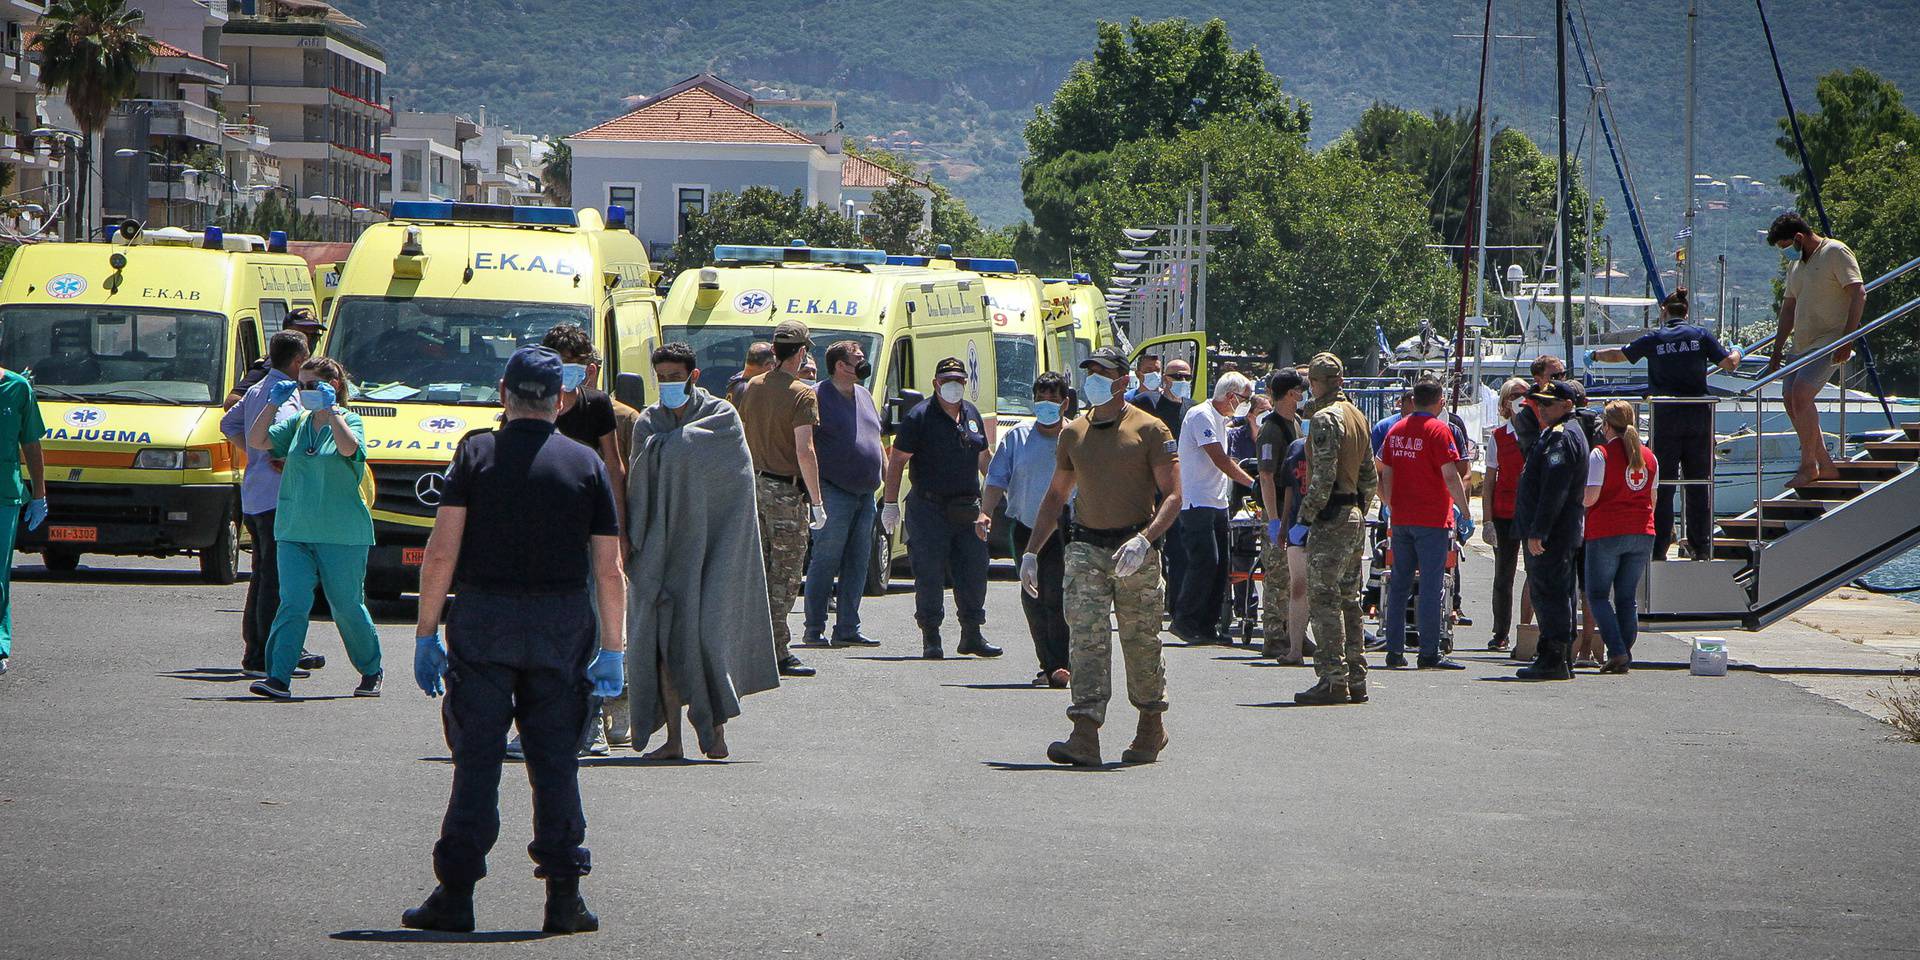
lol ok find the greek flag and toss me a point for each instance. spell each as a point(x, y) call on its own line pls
point(1380, 339)
point(1685, 232)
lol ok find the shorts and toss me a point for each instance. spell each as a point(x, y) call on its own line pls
point(1812, 376)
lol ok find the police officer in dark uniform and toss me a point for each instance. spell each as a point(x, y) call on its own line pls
point(521, 507)
point(942, 445)
point(1548, 516)
point(1679, 355)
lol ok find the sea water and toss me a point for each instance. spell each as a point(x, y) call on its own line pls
point(1903, 570)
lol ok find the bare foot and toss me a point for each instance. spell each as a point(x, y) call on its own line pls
point(670, 750)
point(717, 750)
point(1829, 472)
point(1804, 477)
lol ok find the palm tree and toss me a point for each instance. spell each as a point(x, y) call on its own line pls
point(556, 172)
point(90, 50)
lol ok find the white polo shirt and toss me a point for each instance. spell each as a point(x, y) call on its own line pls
point(1201, 483)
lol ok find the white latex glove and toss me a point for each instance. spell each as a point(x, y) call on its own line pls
point(1131, 554)
point(890, 518)
point(816, 517)
point(1030, 574)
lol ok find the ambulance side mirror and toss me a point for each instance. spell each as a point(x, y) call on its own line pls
point(631, 390)
point(897, 408)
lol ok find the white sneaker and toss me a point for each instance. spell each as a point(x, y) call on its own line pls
point(514, 750)
point(3, 664)
point(598, 746)
point(619, 724)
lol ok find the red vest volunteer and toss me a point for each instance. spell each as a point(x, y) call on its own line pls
point(1626, 495)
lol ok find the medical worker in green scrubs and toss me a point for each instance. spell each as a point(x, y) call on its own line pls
point(19, 419)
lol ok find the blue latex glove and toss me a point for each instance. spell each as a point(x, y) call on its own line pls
point(282, 391)
point(430, 664)
point(608, 671)
point(1273, 531)
point(1297, 536)
point(36, 513)
point(1588, 357)
point(1462, 524)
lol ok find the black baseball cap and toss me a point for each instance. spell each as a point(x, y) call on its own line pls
point(533, 373)
point(950, 367)
point(303, 320)
point(1569, 390)
point(1108, 357)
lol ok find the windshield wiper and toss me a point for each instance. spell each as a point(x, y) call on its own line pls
point(67, 394)
point(137, 391)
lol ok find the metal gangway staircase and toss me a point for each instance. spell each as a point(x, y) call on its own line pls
point(1799, 545)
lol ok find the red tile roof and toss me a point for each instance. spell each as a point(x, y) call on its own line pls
point(858, 171)
point(161, 48)
point(693, 115)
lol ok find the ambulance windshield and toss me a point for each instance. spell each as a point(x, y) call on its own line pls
point(1017, 360)
point(116, 354)
point(722, 351)
point(424, 350)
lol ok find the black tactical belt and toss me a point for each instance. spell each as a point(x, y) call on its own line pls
point(1110, 539)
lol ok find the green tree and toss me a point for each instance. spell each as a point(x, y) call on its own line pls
point(91, 51)
point(1857, 110)
point(1874, 200)
point(893, 221)
point(1145, 80)
point(952, 223)
point(760, 215)
point(271, 214)
point(556, 173)
point(1324, 245)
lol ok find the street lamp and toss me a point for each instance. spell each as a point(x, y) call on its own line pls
point(166, 161)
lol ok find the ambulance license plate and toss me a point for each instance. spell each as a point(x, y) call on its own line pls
point(59, 534)
point(413, 556)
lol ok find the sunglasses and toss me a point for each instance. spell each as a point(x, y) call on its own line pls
point(1182, 377)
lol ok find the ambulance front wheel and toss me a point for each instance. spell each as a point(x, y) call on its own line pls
point(61, 561)
point(880, 563)
point(220, 561)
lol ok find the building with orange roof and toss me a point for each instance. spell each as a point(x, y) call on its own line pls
point(861, 178)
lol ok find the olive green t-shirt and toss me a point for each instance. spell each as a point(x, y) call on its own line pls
point(773, 405)
point(1113, 466)
point(1818, 288)
point(19, 424)
point(320, 489)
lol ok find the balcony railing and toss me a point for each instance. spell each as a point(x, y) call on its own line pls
point(252, 134)
point(178, 118)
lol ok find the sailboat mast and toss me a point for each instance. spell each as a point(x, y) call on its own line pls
point(1565, 187)
point(1686, 244)
point(1486, 201)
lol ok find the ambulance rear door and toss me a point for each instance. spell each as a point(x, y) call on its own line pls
point(950, 318)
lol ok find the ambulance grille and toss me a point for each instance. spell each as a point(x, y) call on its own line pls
point(375, 411)
point(396, 488)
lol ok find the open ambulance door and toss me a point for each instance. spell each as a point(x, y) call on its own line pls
point(632, 334)
point(1191, 347)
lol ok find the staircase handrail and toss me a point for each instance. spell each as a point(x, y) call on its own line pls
point(1871, 285)
point(1809, 358)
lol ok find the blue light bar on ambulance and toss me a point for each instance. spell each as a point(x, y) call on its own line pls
point(904, 260)
point(484, 213)
point(988, 264)
point(741, 253)
point(277, 241)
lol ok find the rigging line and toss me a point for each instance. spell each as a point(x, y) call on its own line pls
point(1617, 151)
point(1813, 189)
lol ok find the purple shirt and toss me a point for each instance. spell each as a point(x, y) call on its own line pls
point(847, 440)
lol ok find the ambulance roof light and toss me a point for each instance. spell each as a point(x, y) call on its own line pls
point(616, 217)
point(1083, 278)
point(454, 211)
point(905, 260)
point(277, 241)
point(944, 251)
point(410, 245)
point(797, 242)
point(988, 264)
point(215, 239)
point(745, 253)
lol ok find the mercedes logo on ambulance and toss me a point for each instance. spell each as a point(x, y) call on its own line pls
point(428, 488)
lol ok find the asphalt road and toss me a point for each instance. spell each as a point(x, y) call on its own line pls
point(896, 808)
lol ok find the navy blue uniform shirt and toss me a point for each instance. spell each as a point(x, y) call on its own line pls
point(1548, 506)
point(1678, 356)
point(533, 499)
point(946, 452)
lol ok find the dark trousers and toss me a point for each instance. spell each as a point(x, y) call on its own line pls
point(1554, 587)
point(1173, 568)
point(521, 660)
point(942, 549)
point(1203, 581)
point(1506, 558)
point(1046, 615)
point(263, 592)
point(1683, 443)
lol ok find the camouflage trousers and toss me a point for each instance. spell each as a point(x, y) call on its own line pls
point(783, 544)
point(1274, 594)
point(1092, 592)
point(1333, 594)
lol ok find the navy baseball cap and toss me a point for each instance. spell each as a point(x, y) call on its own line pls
point(533, 373)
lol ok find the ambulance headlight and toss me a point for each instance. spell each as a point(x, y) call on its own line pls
point(158, 459)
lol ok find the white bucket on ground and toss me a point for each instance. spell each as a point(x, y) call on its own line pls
point(1709, 657)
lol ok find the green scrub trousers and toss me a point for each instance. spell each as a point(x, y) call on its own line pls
point(340, 569)
point(9, 526)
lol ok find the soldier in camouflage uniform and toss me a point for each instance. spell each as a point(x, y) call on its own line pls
point(1340, 485)
point(1114, 461)
point(778, 411)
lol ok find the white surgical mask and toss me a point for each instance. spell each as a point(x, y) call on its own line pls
point(952, 390)
point(1243, 409)
point(1098, 389)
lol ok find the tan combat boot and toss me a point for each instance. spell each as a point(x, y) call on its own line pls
point(1148, 740)
point(1081, 748)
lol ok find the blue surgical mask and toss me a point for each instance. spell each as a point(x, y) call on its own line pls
point(1181, 389)
point(572, 375)
point(1046, 412)
point(1150, 381)
point(673, 393)
point(312, 399)
point(1098, 389)
point(1793, 252)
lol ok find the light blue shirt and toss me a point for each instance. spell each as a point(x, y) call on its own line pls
point(260, 486)
point(1023, 467)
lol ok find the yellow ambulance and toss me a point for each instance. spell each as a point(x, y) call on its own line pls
point(430, 305)
point(132, 345)
point(906, 318)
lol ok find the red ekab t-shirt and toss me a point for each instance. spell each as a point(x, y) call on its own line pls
point(1416, 449)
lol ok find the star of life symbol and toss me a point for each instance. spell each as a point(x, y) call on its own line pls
point(752, 301)
point(66, 286)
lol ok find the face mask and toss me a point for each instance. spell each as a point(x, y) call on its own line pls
point(1181, 389)
point(862, 370)
point(1046, 412)
point(1243, 409)
point(952, 391)
point(1793, 252)
point(1150, 382)
point(673, 393)
point(312, 399)
point(572, 375)
point(1098, 389)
